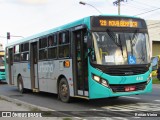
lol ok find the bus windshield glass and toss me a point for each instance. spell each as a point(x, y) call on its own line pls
point(120, 48)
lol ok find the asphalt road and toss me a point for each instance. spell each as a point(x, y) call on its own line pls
point(147, 102)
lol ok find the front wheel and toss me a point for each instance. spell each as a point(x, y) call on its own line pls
point(63, 90)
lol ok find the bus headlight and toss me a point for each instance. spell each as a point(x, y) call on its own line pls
point(100, 80)
point(96, 78)
point(149, 78)
point(104, 82)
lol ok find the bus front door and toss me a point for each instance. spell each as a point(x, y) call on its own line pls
point(80, 64)
point(34, 67)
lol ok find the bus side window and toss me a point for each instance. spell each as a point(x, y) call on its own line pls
point(64, 38)
point(52, 52)
point(52, 46)
point(24, 51)
point(17, 55)
point(64, 44)
point(66, 51)
point(43, 48)
point(50, 41)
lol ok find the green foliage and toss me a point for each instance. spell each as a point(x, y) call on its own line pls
point(156, 81)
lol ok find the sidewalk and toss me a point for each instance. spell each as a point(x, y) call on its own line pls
point(6, 105)
point(12, 105)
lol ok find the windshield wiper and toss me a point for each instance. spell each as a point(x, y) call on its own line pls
point(133, 40)
point(111, 35)
point(136, 31)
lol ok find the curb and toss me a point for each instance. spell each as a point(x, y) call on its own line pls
point(156, 85)
point(25, 104)
point(38, 108)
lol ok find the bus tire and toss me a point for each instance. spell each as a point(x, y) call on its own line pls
point(20, 84)
point(63, 91)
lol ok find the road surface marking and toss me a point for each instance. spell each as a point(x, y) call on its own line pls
point(157, 100)
point(134, 107)
point(120, 118)
point(131, 97)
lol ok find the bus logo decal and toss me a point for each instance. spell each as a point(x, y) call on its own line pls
point(123, 80)
point(46, 67)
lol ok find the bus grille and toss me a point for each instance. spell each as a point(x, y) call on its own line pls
point(123, 70)
point(121, 88)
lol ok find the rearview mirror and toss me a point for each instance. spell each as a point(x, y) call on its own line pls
point(154, 63)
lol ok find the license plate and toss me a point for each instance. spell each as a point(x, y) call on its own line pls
point(130, 88)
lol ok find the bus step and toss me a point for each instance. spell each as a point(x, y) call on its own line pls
point(83, 97)
point(35, 90)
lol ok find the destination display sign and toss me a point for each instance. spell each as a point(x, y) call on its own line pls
point(118, 23)
point(103, 21)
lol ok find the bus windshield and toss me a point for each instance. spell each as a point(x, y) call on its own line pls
point(120, 48)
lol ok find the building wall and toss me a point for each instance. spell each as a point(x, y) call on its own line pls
point(155, 48)
point(154, 35)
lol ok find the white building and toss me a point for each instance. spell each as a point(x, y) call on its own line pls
point(154, 34)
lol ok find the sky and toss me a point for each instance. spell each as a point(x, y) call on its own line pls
point(28, 17)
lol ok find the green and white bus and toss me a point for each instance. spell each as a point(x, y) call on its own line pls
point(93, 57)
point(2, 66)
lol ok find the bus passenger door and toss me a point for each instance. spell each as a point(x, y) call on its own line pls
point(34, 66)
point(10, 66)
point(80, 63)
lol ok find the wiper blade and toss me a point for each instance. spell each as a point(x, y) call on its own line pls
point(133, 40)
point(136, 31)
point(113, 39)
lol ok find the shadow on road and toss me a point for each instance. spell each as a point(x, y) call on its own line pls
point(50, 100)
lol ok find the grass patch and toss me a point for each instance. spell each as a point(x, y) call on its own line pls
point(1, 98)
point(35, 109)
point(18, 104)
point(67, 119)
point(4, 99)
point(156, 81)
point(46, 113)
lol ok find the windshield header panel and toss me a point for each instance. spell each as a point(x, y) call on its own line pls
point(104, 22)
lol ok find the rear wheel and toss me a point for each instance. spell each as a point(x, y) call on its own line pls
point(63, 90)
point(20, 84)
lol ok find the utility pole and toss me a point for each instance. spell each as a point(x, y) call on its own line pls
point(118, 3)
point(119, 6)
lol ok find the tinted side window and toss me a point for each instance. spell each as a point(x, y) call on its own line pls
point(24, 51)
point(52, 46)
point(43, 48)
point(52, 40)
point(64, 38)
point(64, 44)
point(17, 57)
point(43, 42)
point(52, 52)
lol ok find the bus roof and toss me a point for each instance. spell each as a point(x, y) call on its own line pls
point(66, 26)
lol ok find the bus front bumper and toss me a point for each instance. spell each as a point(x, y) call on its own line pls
point(105, 92)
